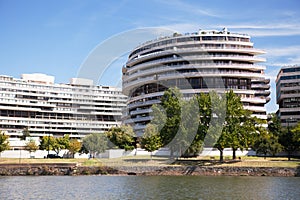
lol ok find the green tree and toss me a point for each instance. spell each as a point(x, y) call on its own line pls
point(171, 102)
point(47, 143)
point(4, 144)
point(26, 133)
point(239, 126)
point(215, 136)
point(60, 143)
point(289, 139)
point(151, 140)
point(31, 146)
point(56, 144)
point(190, 139)
point(95, 143)
point(74, 147)
point(221, 143)
point(123, 137)
point(266, 143)
point(274, 125)
point(296, 132)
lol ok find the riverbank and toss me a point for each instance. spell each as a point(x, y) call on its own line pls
point(72, 169)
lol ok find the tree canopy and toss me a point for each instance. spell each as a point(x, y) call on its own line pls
point(95, 143)
point(4, 144)
point(151, 139)
point(31, 146)
point(56, 144)
point(122, 137)
point(74, 146)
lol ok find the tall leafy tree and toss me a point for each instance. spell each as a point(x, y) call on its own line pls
point(289, 139)
point(95, 143)
point(192, 138)
point(274, 125)
point(123, 137)
point(296, 131)
point(215, 136)
point(239, 127)
point(171, 102)
point(4, 144)
point(151, 140)
point(205, 113)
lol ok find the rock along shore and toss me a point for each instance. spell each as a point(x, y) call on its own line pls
point(72, 169)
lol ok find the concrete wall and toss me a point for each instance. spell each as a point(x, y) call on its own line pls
point(37, 154)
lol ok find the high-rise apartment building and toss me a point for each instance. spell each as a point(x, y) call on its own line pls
point(46, 108)
point(288, 95)
point(195, 62)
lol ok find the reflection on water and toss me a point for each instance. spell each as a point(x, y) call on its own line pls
point(149, 187)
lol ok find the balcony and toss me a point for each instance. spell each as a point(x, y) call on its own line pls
point(260, 86)
point(146, 103)
point(141, 111)
point(199, 66)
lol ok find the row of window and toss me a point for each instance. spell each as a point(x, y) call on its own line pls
point(42, 87)
point(295, 69)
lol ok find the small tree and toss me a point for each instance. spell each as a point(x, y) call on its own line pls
point(56, 144)
point(74, 147)
point(26, 133)
point(95, 143)
point(4, 144)
point(60, 143)
point(151, 140)
point(31, 146)
point(47, 143)
point(122, 137)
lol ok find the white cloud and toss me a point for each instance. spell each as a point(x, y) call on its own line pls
point(256, 30)
point(282, 56)
point(283, 51)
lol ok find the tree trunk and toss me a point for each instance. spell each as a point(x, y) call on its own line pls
point(171, 152)
point(289, 156)
point(233, 153)
point(221, 155)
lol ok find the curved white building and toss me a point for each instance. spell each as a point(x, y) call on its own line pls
point(46, 108)
point(195, 62)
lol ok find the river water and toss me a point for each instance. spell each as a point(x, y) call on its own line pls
point(148, 187)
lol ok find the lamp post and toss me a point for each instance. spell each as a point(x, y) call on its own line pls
point(290, 138)
point(48, 141)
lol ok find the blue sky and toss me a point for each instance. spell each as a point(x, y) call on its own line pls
point(57, 37)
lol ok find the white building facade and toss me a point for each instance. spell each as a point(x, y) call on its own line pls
point(45, 108)
point(195, 62)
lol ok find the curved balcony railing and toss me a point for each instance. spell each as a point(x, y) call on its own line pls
point(141, 111)
point(198, 57)
point(193, 74)
point(138, 72)
point(243, 46)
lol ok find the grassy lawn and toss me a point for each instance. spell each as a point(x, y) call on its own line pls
point(161, 161)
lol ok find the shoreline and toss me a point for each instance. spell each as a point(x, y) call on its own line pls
point(72, 169)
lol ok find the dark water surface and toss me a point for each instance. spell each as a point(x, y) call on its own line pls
point(148, 187)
